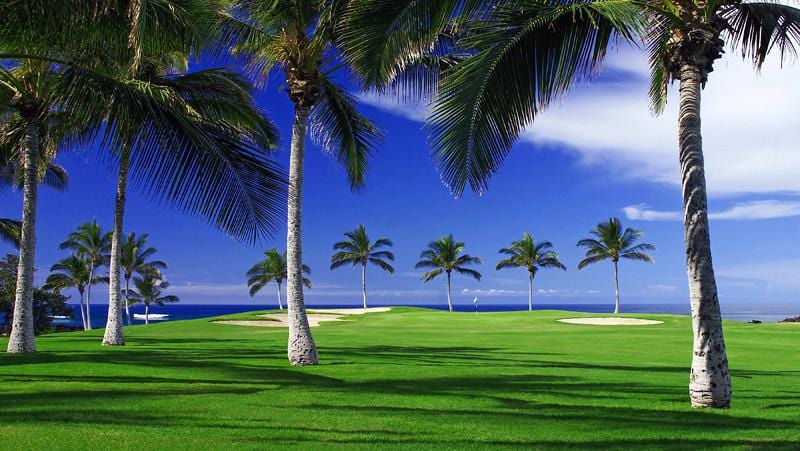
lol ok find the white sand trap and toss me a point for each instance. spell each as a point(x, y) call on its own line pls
point(282, 319)
point(611, 321)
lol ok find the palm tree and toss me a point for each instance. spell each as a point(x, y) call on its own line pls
point(506, 63)
point(611, 242)
point(149, 290)
point(71, 272)
point(273, 267)
point(90, 242)
point(445, 256)
point(135, 259)
point(300, 38)
point(359, 250)
point(68, 64)
point(528, 254)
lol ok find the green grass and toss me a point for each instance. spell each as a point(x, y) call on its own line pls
point(410, 378)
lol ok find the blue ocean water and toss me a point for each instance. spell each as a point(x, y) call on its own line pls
point(737, 312)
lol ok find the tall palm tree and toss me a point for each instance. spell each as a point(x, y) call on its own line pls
point(528, 254)
point(89, 241)
point(149, 291)
point(272, 268)
point(358, 250)
point(613, 243)
point(511, 60)
point(68, 64)
point(134, 258)
point(300, 39)
point(71, 272)
point(445, 255)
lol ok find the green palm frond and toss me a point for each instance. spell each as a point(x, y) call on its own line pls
point(613, 242)
point(524, 57)
point(344, 133)
point(759, 27)
point(358, 249)
point(271, 268)
point(10, 231)
point(446, 255)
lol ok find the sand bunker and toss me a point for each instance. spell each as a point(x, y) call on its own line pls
point(319, 315)
point(611, 321)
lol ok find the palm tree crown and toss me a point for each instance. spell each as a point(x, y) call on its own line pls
point(527, 253)
point(89, 241)
point(358, 250)
point(272, 269)
point(445, 255)
point(611, 242)
point(135, 256)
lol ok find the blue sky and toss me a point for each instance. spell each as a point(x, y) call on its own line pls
point(597, 154)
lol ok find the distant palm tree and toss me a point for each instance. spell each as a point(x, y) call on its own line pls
point(149, 290)
point(444, 256)
point(613, 243)
point(134, 259)
point(273, 267)
point(528, 254)
point(358, 250)
point(89, 241)
point(71, 272)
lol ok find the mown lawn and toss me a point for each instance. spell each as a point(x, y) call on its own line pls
point(411, 378)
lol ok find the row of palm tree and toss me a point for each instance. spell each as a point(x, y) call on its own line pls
point(80, 72)
point(91, 250)
point(446, 255)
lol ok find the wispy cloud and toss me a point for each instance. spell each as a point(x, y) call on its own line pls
point(774, 276)
point(742, 211)
point(492, 292)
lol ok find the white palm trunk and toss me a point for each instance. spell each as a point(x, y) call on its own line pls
point(280, 304)
point(301, 347)
point(449, 301)
point(22, 331)
point(83, 314)
point(88, 297)
point(146, 314)
point(114, 334)
point(710, 383)
point(616, 288)
point(530, 292)
point(127, 302)
point(364, 284)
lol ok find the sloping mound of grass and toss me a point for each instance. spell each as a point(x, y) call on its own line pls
point(409, 378)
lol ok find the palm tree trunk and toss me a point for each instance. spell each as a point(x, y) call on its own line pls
point(127, 303)
point(616, 288)
point(280, 304)
point(449, 302)
point(88, 297)
point(146, 314)
point(114, 335)
point(364, 284)
point(302, 350)
point(710, 383)
point(21, 338)
point(83, 315)
point(530, 292)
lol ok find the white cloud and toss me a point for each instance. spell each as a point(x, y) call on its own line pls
point(753, 210)
point(751, 132)
point(493, 292)
point(775, 276)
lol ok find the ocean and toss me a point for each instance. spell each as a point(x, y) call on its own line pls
point(737, 312)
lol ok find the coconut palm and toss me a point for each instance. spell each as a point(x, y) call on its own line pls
point(613, 243)
point(445, 255)
point(149, 291)
point(511, 60)
point(185, 154)
point(71, 272)
point(89, 241)
point(299, 38)
point(134, 258)
point(272, 268)
point(527, 253)
point(358, 250)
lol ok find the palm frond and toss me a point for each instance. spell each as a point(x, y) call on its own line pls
point(430, 275)
point(759, 27)
point(468, 272)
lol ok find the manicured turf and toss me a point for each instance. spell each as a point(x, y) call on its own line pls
point(412, 378)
